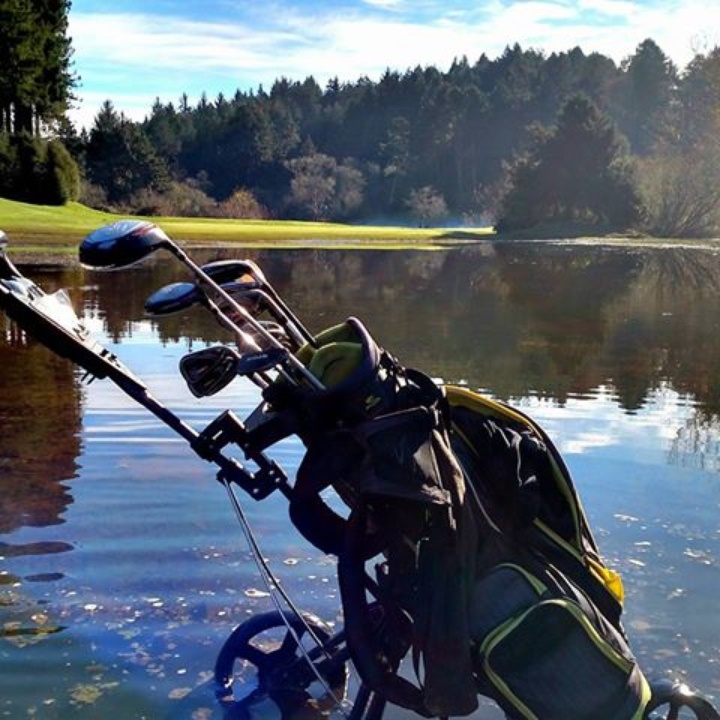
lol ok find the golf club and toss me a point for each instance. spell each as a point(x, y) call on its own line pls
point(211, 369)
point(173, 298)
point(177, 297)
point(240, 269)
point(127, 242)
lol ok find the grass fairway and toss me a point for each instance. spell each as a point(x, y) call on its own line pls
point(53, 230)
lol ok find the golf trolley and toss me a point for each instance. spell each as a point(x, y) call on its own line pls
point(311, 662)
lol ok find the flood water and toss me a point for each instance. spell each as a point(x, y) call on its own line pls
point(123, 568)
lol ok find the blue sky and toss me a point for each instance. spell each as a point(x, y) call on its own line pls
point(135, 51)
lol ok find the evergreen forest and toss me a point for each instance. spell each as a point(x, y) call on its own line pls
point(522, 141)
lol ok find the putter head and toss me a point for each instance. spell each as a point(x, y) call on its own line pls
point(173, 298)
point(121, 244)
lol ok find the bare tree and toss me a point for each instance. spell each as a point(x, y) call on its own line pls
point(313, 184)
point(324, 188)
point(681, 192)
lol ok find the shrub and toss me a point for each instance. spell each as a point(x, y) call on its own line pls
point(27, 176)
point(33, 170)
point(242, 204)
point(7, 165)
point(681, 193)
point(93, 196)
point(181, 199)
point(62, 176)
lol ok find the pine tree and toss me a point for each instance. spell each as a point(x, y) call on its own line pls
point(36, 78)
point(648, 84)
point(577, 172)
point(120, 158)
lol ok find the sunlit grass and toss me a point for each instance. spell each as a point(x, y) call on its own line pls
point(37, 228)
point(25, 223)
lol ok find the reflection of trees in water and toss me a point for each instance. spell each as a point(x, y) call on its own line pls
point(40, 416)
point(697, 443)
point(513, 318)
point(663, 328)
point(519, 318)
point(581, 317)
point(555, 295)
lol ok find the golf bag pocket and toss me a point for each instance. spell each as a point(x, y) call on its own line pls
point(407, 457)
point(543, 655)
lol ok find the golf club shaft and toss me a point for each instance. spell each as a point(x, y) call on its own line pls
point(305, 334)
point(260, 379)
point(243, 313)
point(293, 330)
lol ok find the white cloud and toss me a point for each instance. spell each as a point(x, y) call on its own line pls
point(384, 4)
point(135, 106)
point(616, 8)
point(130, 57)
point(154, 42)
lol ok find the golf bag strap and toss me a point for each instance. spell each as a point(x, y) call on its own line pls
point(325, 463)
point(376, 669)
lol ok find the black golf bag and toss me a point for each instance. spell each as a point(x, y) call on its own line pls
point(487, 576)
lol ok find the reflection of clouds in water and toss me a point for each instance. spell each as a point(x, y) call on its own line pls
point(586, 441)
point(595, 423)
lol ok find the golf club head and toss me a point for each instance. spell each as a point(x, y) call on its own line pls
point(3, 241)
point(223, 271)
point(242, 276)
point(244, 294)
point(256, 302)
point(121, 244)
point(173, 298)
point(261, 361)
point(180, 296)
point(260, 338)
point(209, 370)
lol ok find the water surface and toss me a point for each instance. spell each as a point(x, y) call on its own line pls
point(123, 568)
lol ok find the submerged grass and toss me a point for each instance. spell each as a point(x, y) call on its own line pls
point(41, 228)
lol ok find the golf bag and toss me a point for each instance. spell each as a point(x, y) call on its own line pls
point(488, 573)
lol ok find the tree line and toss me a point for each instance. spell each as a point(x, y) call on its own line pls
point(36, 84)
point(519, 141)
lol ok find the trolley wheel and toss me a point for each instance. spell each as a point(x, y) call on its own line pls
point(283, 672)
point(677, 696)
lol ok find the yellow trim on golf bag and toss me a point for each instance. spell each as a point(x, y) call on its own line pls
point(549, 653)
point(459, 397)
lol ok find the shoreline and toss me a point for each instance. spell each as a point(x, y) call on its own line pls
point(66, 257)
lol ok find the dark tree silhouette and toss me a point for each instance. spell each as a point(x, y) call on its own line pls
point(575, 172)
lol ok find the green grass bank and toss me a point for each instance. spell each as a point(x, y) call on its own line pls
point(56, 231)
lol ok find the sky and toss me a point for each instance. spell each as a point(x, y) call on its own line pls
point(136, 51)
